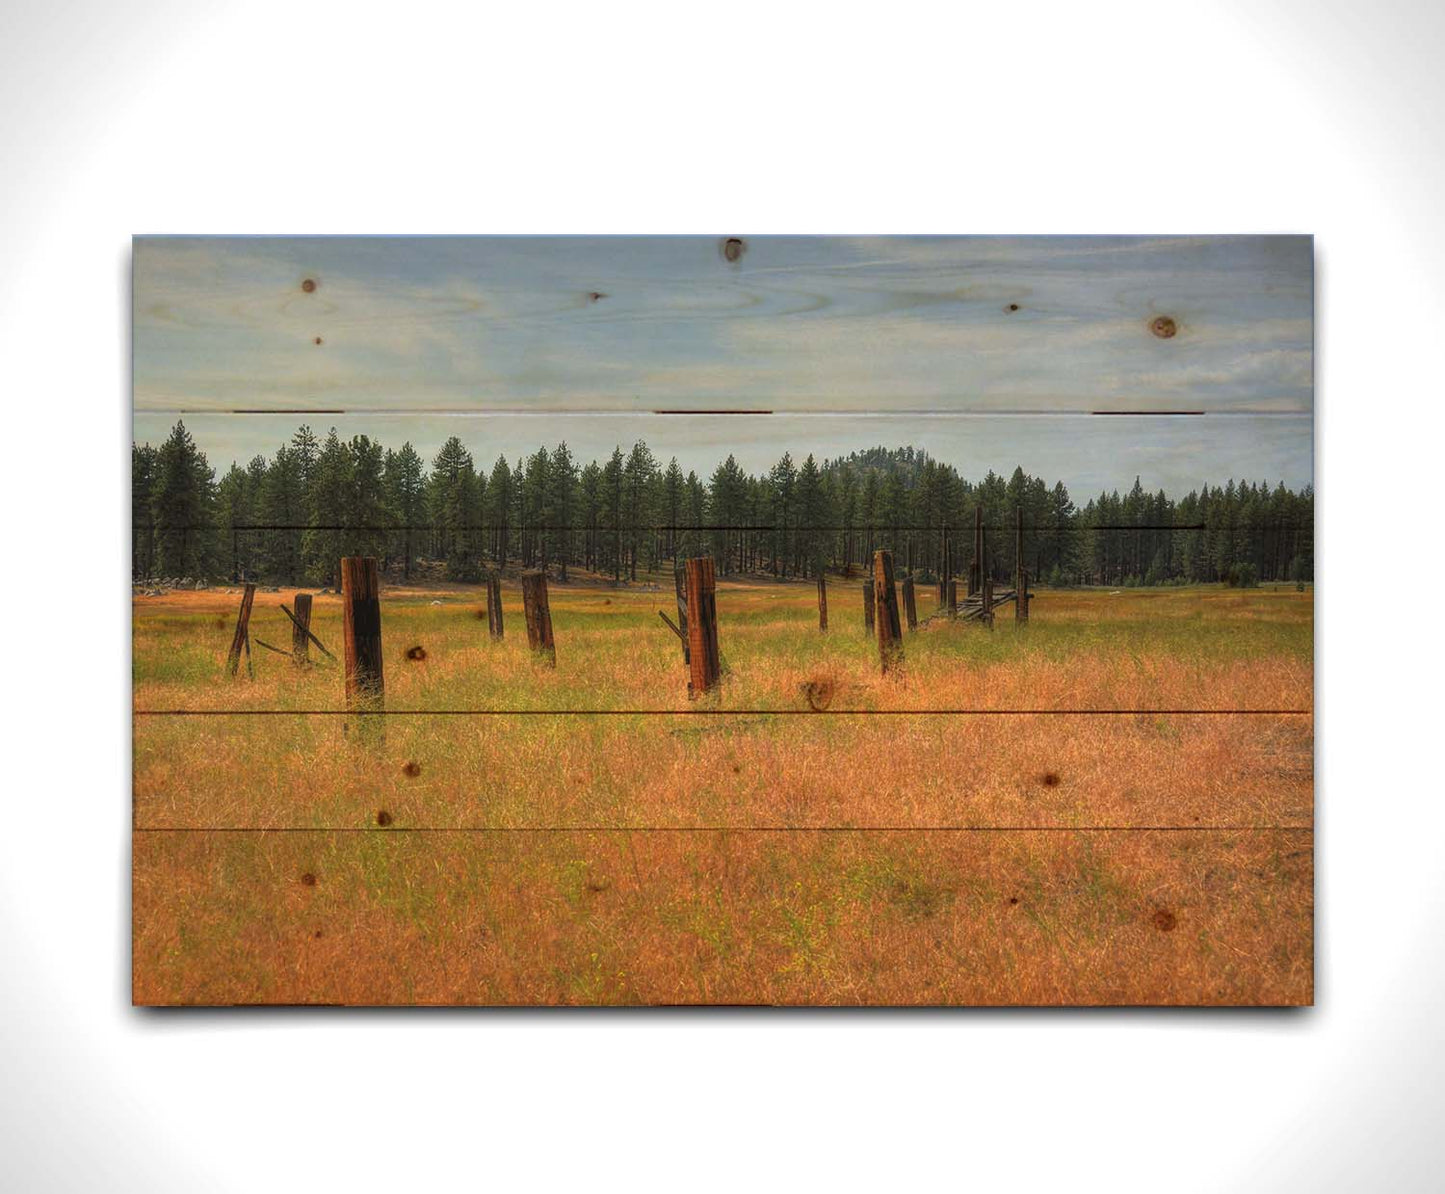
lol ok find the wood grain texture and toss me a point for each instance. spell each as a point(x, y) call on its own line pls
point(546, 324)
point(363, 652)
point(703, 651)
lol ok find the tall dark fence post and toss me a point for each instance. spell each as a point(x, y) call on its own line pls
point(868, 604)
point(494, 606)
point(822, 602)
point(538, 614)
point(890, 635)
point(361, 637)
point(703, 665)
point(300, 640)
point(910, 605)
point(242, 636)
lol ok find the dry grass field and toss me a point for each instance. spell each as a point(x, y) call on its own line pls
point(814, 833)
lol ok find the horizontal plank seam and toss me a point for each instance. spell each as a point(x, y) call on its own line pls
point(725, 713)
point(760, 528)
point(641, 412)
point(393, 829)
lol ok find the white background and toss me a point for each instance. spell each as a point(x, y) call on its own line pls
point(261, 117)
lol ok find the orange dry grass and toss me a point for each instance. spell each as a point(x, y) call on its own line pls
point(684, 913)
point(1031, 918)
point(745, 770)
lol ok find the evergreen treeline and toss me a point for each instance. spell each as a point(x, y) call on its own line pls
point(317, 500)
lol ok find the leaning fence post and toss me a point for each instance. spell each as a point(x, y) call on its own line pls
point(868, 604)
point(241, 637)
point(822, 602)
point(910, 606)
point(890, 636)
point(361, 636)
point(494, 606)
point(539, 615)
point(300, 641)
point(703, 662)
point(679, 589)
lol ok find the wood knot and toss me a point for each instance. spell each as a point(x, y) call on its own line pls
point(1164, 327)
point(733, 249)
point(308, 285)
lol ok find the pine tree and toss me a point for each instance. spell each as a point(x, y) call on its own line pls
point(143, 465)
point(330, 513)
point(590, 490)
point(673, 491)
point(561, 504)
point(367, 508)
point(499, 510)
point(283, 505)
point(404, 478)
point(233, 511)
point(612, 508)
point(182, 502)
point(453, 499)
point(783, 481)
point(638, 475)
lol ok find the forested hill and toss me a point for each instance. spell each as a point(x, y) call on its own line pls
point(291, 518)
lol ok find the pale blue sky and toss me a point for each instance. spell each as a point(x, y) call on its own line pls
point(842, 328)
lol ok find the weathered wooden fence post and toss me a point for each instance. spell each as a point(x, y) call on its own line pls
point(703, 663)
point(1021, 577)
point(679, 588)
point(539, 615)
point(361, 637)
point(822, 602)
point(494, 606)
point(910, 605)
point(300, 640)
point(890, 635)
point(242, 636)
point(868, 604)
point(951, 604)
